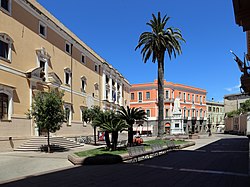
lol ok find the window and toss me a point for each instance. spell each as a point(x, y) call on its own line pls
point(42, 29)
point(68, 47)
point(114, 95)
point(3, 106)
point(200, 99)
point(184, 97)
point(188, 113)
point(84, 83)
point(193, 98)
point(132, 96)
point(200, 112)
point(107, 79)
point(83, 59)
point(5, 46)
point(96, 68)
point(209, 109)
point(6, 5)
point(107, 94)
point(167, 94)
point(148, 113)
point(147, 95)
point(189, 97)
point(67, 76)
point(213, 109)
point(166, 113)
point(140, 97)
point(177, 125)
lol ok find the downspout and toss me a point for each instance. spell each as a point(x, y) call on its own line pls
point(71, 83)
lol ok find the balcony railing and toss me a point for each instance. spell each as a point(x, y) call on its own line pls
point(168, 100)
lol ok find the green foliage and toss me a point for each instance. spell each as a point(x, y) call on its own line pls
point(130, 115)
point(244, 108)
point(110, 122)
point(47, 110)
point(160, 39)
point(89, 114)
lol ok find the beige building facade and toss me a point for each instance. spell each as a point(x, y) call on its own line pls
point(215, 115)
point(38, 53)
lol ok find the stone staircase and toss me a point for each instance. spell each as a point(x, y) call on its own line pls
point(58, 144)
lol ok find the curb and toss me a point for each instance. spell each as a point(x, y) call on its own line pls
point(76, 160)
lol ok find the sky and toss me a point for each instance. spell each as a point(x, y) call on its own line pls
point(112, 29)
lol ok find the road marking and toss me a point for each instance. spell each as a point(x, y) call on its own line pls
point(196, 170)
point(214, 172)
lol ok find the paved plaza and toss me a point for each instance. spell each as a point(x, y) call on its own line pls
point(219, 160)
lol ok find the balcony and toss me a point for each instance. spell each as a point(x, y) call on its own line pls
point(193, 119)
point(168, 100)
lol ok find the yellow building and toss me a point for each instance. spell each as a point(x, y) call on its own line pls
point(37, 52)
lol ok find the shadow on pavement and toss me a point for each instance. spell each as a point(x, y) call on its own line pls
point(222, 163)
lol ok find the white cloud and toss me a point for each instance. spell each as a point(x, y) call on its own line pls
point(234, 88)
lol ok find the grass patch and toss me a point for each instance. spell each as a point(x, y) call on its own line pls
point(102, 150)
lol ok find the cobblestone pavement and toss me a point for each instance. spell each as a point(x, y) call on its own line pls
point(219, 160)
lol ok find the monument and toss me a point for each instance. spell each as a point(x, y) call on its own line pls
point(177, 122)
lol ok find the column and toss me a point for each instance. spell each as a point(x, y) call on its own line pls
point(110, 89)
point(104, 85)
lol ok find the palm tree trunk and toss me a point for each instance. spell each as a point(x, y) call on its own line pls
point(48, 142)
point(114, 140)
point(130, 135)
point(107, 140)
point(160, 60)
point(95, 134)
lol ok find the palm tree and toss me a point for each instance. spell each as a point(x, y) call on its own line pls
point(130, 115)
point(99, 120)
point(109, 122)
point(155, 44)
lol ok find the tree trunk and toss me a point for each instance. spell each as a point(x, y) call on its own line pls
point(114, 140)
point(107, 140)
point(130, 135)
point(48, 142)
point(160, 60)
point(95, 134)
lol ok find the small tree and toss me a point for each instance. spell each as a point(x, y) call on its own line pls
point(94, 112)
point(48, 113)
point(89, 114)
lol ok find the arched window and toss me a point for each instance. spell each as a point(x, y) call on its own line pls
point(4, 99)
